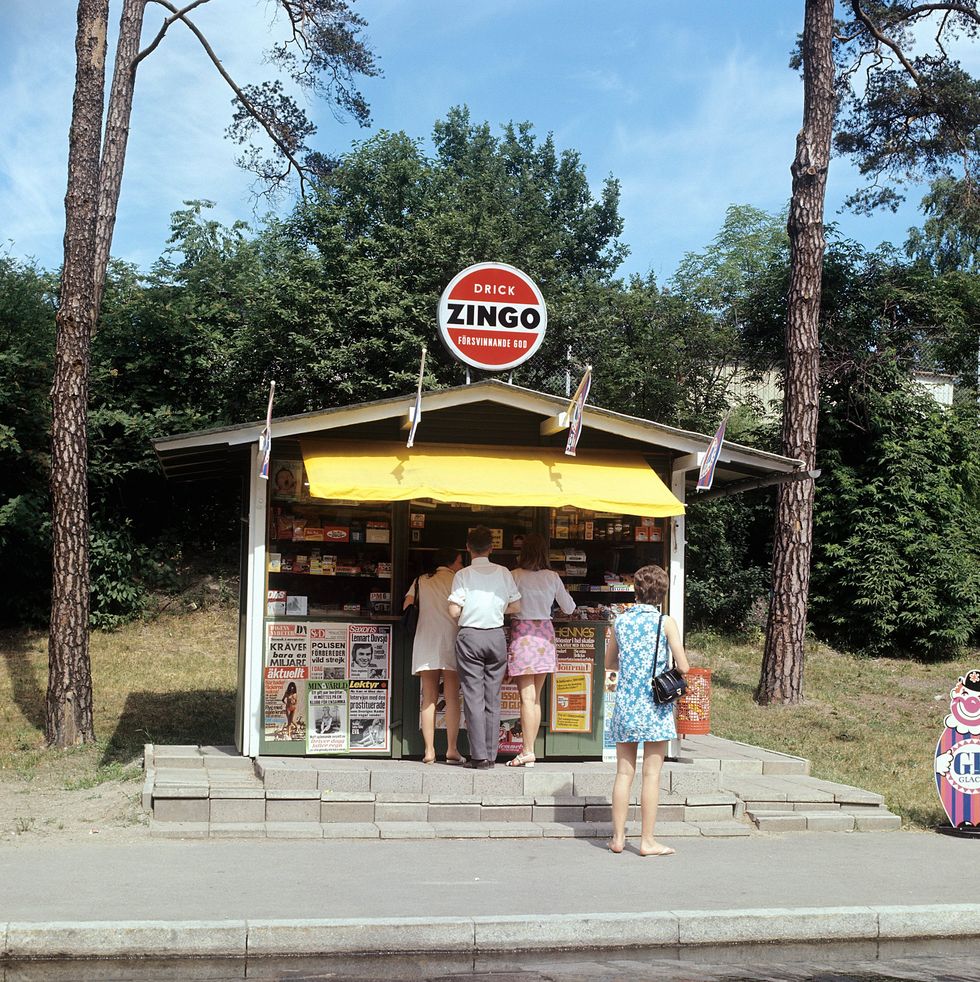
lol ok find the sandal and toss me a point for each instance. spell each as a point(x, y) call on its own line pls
point(524, 759)
point(455, 761)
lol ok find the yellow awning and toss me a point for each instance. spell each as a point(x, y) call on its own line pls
point(524, 476)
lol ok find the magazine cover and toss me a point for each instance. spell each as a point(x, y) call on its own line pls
point(329, 718)
point(369, 647)
point(287, 478)
point(285, 676)
point(369, 710)
point(328, 650)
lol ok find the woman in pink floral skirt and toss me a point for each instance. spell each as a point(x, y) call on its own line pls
point(532, 654)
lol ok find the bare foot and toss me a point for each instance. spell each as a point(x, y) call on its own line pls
point(429, 758)
point(655, 849)
point(616, 845)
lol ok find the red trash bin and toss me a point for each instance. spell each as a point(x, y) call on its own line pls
point(694, 707)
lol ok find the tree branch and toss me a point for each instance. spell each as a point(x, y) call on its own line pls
point(292, 162)
point(154, 44)
point(883, 38)
point(953, 8)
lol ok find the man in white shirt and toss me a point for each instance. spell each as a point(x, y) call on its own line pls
point(482, 593)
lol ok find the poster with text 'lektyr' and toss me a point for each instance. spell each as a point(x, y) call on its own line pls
point(369, 715)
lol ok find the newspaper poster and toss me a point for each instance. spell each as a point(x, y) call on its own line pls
point(285, 678)
point(511, 733)
point(571, 697)
point(328, 651)
point(608, 705)
point(369, 708)
point(369, 651)
point(441, 706)
point(328, 732)
point(576, 642)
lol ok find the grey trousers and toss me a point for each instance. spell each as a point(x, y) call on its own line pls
point(481, 660)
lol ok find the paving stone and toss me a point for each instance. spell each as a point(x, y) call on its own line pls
point(346, 780)
point(781, 823)
point(857, 796)
point(708, 813)
point(730, 828)
point(347, 796)
point(539, 782)
point(557, 813)
point(251, 793)
point(506, 799)
point(590, 785)
point(178, 749)
point(710, 798)
point(505, 813)
point(454, 813)
point(292, 794)
point(560, 799)
point(447, 780)
point(776, 924)
point(388, 780)
point(179, 763)
point(291, 810)
point(237, 810)
point(829, 821)
point(288, 778)
point(346, 812)
point(393, 811)
point(740, 767)
point(406, 830)
point(935, 921)
point(788, 766)
point(675, 829)
point(185, 778)
point(403, 797)
point(350, 830)
point(293, 830)
point(814, 806)
point(513, 830)
point(181, 809)
point(499, 780)
point(234, 764)
point(237, 830)
point(693, 782)
point(568, 830)
point(178, 830)
point(458, 799)
point(460, 830)
point(879, 822)
point(699, 763)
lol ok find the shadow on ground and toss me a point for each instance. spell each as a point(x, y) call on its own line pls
point(26, 686)
point(205, 716)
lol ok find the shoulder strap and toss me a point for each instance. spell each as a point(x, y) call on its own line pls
point(415, 587)
point(656, 648)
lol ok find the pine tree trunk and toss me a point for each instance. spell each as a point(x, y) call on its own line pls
point(68, 717)
point(781, 680)
point(117, 122)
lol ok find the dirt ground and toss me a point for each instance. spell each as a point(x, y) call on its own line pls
point(42, 808)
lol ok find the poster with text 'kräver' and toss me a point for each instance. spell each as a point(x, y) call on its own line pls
point(285, 677)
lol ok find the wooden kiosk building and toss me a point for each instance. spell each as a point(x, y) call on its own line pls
point(349, 517)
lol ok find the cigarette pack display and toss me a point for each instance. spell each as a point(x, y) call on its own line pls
point(417, 521)
point(352, 608)
point(572, 569)
point(296, 606)
point(275, 603)
point(589, 529)
point(336, 533)
point(298, 531)
point(347, 570)
point(301, 564)
point(575, 556)
point(642, 534)
point(312, 534)
point(275, 562)
point(383, 570)
point(656, 534)
point(284, 526)
point(378, 534)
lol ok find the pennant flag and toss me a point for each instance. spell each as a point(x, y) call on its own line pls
point(707, 473)
point(417, 411)
point(265, 438)
point(576, 410)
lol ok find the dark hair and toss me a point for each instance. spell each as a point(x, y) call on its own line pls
point(479, 540)
point(444, 556)
point(291, 688)
point(651, 584)
point(534, 553)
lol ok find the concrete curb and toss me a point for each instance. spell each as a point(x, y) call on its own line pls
point(239, 938)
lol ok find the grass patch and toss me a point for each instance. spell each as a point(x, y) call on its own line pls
point(869, 722)
point(169, 680)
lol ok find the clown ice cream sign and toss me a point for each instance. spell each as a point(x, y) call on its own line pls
point(958, 754)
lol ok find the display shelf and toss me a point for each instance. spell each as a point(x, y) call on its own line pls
point(331, 542)
point(327, 576)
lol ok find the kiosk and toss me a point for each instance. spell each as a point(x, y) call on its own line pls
point(349, 515)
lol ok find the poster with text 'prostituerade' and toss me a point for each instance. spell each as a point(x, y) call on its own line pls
point(328, 731)
point(285, 676)
point(328, 650)
point(369, 707)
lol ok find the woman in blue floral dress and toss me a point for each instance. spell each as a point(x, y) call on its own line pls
point(640, 635)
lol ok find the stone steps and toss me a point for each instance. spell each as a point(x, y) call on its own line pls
point(194, 791)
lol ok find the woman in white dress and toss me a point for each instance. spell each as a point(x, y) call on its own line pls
point(434, 652)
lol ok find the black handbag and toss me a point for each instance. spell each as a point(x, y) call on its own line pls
point(410, 615)
point(669, 685)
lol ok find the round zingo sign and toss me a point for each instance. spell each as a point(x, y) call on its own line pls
point(492, 316)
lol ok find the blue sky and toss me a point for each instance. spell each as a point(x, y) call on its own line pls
point(690, 105)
